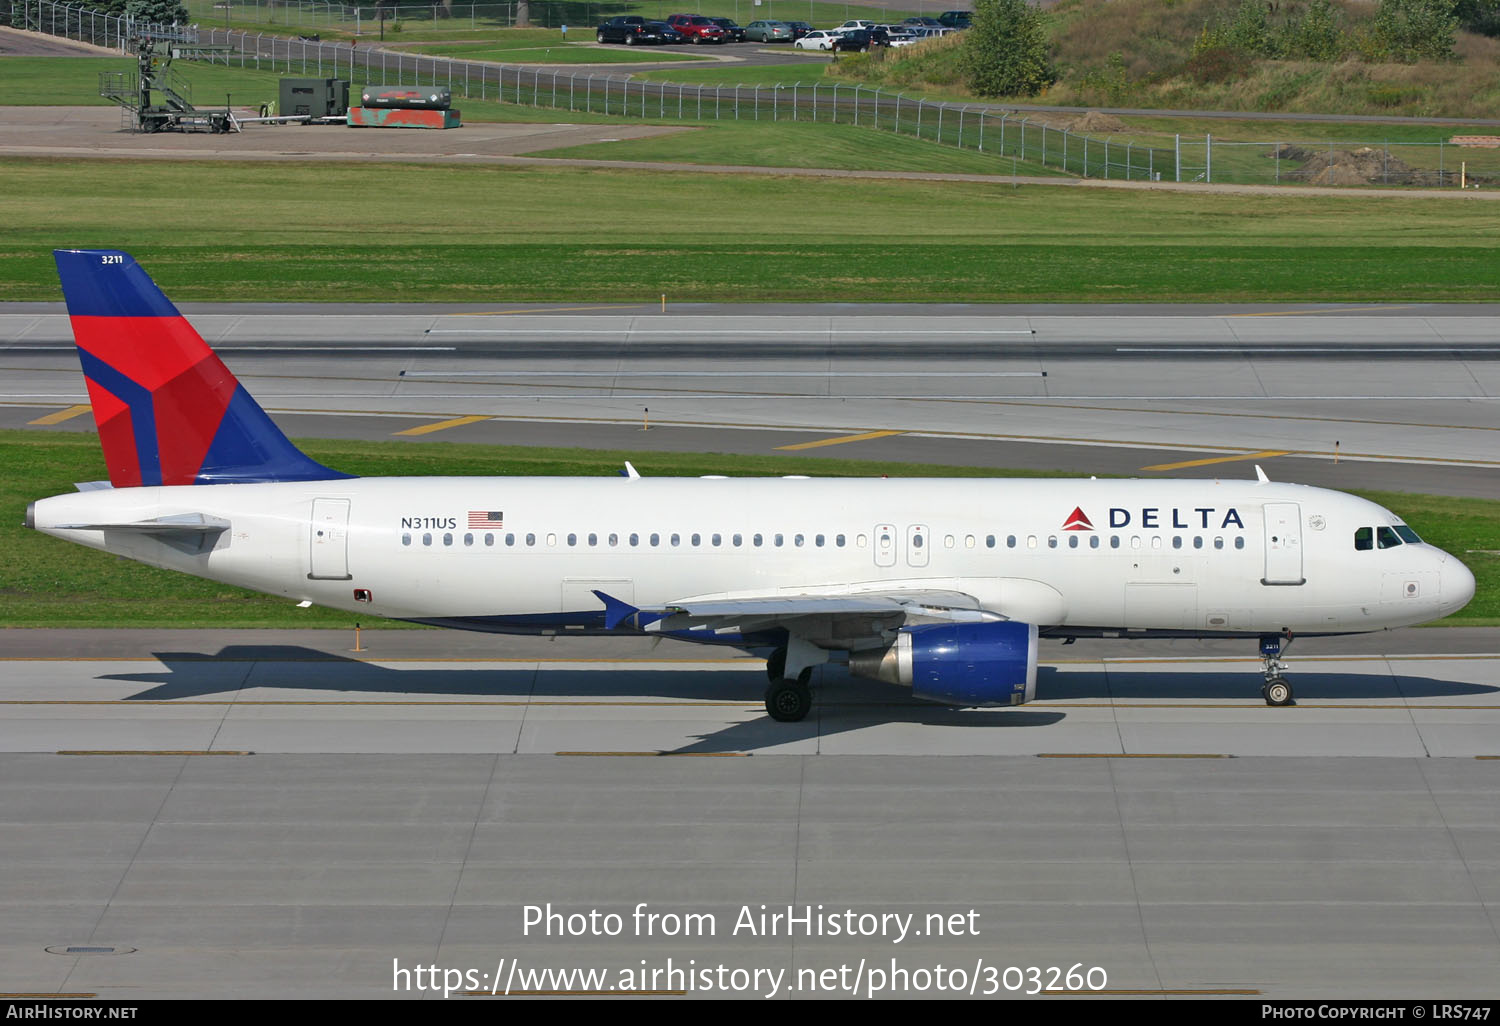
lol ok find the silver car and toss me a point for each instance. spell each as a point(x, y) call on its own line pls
point(768, 32)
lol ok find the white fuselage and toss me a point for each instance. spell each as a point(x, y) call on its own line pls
point(1190, 557)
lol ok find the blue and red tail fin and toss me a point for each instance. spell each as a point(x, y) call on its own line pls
point(168, 411)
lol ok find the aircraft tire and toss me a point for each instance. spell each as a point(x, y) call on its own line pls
point(788, 701)
point(1278, 691)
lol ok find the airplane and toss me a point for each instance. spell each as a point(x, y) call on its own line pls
point(943, 586)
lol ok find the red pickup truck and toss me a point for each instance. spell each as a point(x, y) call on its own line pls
point(695, 28)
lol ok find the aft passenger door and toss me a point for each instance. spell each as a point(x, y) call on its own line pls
point(1283, 543)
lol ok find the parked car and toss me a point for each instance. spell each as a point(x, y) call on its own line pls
point(817, 39)
point(799, 29)
point(695, 28)
point(768, 32)
point(922, 22)
point(668, 34)
point(736, 34)
point(901, 37)
point(955, 19)
point(853, 39)
point(857, 23)
point(623, 29)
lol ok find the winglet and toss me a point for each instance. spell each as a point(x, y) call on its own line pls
point(168, 411)
point(630, 472)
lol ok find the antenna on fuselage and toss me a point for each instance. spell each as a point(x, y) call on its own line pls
point(1260, 475)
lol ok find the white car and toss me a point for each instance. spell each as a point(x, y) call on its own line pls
point(857, 23)
point(900, 38)
point(819, 39)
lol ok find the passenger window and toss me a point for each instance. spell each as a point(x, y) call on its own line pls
point(531, 539)
point(778, 541)
point(1198, 542)
point(1031, 541)
point(1135, 541)
point(797, 541)
point(614, 539)
point(989, 541)
point(1072, 541)
point(1176, 541)
point(861, 540)
point(489, 539)
point(426, 539)
point(406, 538)
point(697, 539)
point(468, 539)
point(1218, 543)
point(448, 539)
point(655, 539)
point(1093, 541)
point(838, 540)
point(676, 540)
point(738, 540)
point(635, 539)
point(718, 539)
point(593, 539)
point(552, 540)
point(1239, 543)
point(818, 541)
point(1386, 538)
point(1051, 541)
point(916, 541)
point(572, 539)
point(948, 541)
point(1114, 541)
point(756, 541)
point(1156, 541)
point(968, 541)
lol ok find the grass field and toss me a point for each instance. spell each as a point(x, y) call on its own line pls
point(316, 232)
point(46, 582)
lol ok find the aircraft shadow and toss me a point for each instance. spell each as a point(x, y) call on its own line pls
point(296, 668)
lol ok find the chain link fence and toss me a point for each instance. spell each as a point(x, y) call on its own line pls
point(1010, 137)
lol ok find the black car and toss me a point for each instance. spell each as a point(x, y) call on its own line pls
point(667, 33)
point(956, 19)
point(854, 39)
point(922, 22)
point(623, 29)
point(736, 34)
point(799, 29)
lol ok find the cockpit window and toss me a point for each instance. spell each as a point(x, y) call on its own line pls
point(1364, 538)
point(1386, 538)
point(1408, 535)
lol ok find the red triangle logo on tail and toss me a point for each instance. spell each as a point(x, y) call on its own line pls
point(1078, 521)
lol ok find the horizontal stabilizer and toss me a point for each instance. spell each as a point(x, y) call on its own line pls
point(178, 523)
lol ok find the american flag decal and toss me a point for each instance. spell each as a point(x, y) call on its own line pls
point(486, 518)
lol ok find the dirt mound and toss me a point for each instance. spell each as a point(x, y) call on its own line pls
point(1094, 121)
point(1364, 166)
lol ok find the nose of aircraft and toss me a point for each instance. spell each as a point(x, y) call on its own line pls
point(1457, 584)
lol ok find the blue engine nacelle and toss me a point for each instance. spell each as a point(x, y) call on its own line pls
point(958, 663)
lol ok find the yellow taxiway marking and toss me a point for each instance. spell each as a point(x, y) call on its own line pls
point(1313, 313)
point(680, 755)
point(61, 415)
point(1263, 455)
point(442, 425)
point(551, 309)
point(1130, 755)
point(838, 441)
point(136, 751)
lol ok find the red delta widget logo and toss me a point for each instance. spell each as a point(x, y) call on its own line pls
point(1203, 517)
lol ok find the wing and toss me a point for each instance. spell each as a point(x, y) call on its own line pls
point(855, 620)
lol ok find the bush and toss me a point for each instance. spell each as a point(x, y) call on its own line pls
point(1006, 52)
point(1479, 16)
point(1413, 30)
point(1217, 64)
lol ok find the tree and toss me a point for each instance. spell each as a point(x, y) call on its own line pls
point(158, 12)
point(1413, 30)
point(1006, 51)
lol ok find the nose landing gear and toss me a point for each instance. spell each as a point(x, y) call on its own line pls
point(1277, 690)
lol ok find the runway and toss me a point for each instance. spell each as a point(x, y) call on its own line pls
point(397, 808)
point(1393, 398)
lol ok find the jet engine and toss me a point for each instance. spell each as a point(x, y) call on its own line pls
point(958, 663)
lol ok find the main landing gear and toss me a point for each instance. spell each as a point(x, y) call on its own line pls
point(1277, 690)
point(787, 700)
